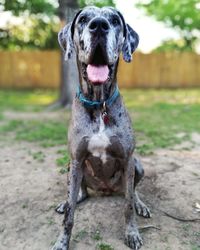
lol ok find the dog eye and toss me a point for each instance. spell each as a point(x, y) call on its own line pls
point(82, 20)
point(115, 21)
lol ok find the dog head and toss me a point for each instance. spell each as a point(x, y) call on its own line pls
point(98, 35)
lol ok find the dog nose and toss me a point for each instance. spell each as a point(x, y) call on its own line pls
point(99, 24)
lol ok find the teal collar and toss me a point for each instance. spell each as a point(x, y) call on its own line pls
point(96, 104)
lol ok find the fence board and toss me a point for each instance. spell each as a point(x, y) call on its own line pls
point(41, 69)
point(30, 69)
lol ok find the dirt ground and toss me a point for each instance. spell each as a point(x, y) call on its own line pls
point(30, 190)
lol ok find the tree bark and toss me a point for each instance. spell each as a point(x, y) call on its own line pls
point(69, 73)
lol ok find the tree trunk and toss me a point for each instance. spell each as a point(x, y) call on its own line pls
point(69, 72)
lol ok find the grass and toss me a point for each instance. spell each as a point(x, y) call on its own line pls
point(104, 246)
point(193, 247)
point(159, 116)
point(80, 235)
point(47, 134)
point(39, 156)
point(96, 235)
point(26, 100)
point(63, 161)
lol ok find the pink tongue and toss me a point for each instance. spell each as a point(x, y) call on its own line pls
point(97, 74)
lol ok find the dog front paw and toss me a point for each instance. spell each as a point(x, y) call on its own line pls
point(62, 243)
point(132, 238)
point(142, 209)
point(61, 208)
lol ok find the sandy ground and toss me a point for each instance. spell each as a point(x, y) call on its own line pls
point(30, 190)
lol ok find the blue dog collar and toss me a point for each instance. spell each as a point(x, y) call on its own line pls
point(88, 103)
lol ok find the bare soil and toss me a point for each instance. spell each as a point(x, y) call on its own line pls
point(30, 190)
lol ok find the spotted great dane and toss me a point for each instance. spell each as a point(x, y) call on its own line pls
point(101, 141)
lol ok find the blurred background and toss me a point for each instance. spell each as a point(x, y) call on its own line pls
point(163, 78)
point(167, 56)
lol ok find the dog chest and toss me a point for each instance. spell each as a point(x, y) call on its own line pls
point(99, 142)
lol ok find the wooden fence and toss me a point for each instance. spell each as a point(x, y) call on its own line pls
point(41, 69)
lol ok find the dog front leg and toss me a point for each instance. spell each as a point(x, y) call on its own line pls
point(75, 178)
point(132, 236)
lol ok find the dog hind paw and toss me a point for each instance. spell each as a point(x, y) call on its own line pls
point(61, 208)
point(133, 240)
point(142, 209)
point(81, 198)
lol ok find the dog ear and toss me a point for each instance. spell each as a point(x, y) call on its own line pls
point(65, 38)
point(131, 41)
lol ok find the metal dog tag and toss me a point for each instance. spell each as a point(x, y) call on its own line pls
point(104, 114)
point(105, 117)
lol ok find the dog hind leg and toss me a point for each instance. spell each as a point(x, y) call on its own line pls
point(140, 207)
point(83, 193)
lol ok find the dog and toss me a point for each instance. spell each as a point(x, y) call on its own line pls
point(101, 140)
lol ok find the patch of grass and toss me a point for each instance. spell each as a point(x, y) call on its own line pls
point(1, 116)
point(64, 170)
point(161, 123)
point(193, 247)
point(186, 227)
point(11, 126)
point(164, 238)
point(63, 161)
point(149, 97)
point(50, 221)
point(104, 246)
point(53, 242)
point(39, 156)
point(80, 235)
point(197, 234)
point(48, 133)
point(96, 235)
point(26, 100)
point(24, 206)
point(160, 115)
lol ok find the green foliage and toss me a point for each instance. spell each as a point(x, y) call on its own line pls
point(98, 3)
point(32, 6)
point(182, 15)
point(170, 45)
point(40, 25)
point(104, 246)
point(33, 33)
point(38, 29)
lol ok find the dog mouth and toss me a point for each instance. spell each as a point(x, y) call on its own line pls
point(98, 68)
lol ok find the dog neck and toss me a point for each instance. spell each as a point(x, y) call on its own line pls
point(99, 93)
